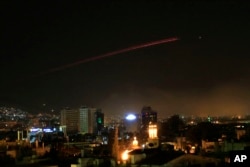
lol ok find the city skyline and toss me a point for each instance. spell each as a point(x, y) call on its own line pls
point(205, 72)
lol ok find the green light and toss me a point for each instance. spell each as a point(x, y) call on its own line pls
point(99, 120)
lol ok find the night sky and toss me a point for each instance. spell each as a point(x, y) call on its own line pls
point(205, 72)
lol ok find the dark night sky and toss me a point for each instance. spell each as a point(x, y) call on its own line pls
point(206, 72)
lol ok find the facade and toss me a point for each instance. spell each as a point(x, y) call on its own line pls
point(84, 117)
point(99, 122)
point(70, 119)
point(82, 120)
point(153, 141)
point(87, 119)
point(148, 116)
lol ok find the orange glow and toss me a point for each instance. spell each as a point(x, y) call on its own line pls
point(135, 142)
point(125, 155)
point(152, 131)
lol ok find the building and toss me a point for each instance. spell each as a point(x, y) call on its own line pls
point(82, 120)
point(148, 116)
point(70, 119)
point(85, 120)
point(99, 122)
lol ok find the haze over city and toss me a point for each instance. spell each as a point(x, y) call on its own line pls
point(205, 72)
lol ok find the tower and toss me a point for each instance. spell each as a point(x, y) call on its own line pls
point(82, 120)
point(87, 119)
point(70, 120)
point(98, 122)
point(148, 116)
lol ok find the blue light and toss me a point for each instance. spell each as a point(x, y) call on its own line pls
point(131, 117)
point(47, 130)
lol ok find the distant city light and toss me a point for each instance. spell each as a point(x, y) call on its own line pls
point(40, 130)
point(35, 129)
point(131, 117)
point(47, 130)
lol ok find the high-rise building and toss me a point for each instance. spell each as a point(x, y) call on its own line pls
point(70, 119)
point(148, 116)
point(149, 127)
point(99, 122)
point(82, 120)
point(87, 119)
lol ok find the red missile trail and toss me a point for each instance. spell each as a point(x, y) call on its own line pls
point(109, 54)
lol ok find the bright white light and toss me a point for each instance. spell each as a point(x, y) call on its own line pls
point(131, 117)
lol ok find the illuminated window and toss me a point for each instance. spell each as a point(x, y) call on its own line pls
point(152, 131)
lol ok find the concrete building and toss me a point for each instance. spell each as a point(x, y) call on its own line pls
point(91, 120)
point(70, 119)
point(148, 117)
point(85, 120)
point(82, 120)
point(99, 122)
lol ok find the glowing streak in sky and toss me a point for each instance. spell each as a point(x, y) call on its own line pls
point(109, 54)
